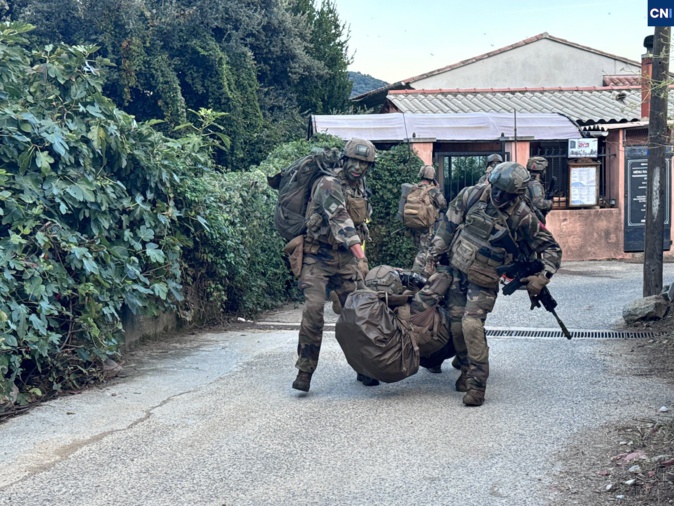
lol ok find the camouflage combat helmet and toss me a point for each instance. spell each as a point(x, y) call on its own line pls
point(510, 177)
point(494, 159)
point(427, 172)
point(537, 164)
point(384, 278)
point(360, 149)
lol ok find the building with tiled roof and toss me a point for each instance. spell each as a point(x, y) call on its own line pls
point(537, 62)
point(607, 97)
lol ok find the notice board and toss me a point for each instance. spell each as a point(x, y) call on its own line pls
point(636, 180)
point(583, 184)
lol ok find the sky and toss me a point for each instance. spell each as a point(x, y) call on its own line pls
point(396, 39)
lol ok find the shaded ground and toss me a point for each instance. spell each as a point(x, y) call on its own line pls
point(631, 463)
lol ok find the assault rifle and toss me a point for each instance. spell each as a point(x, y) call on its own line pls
point(522, 269)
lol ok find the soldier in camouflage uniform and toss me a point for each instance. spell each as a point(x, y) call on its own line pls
point(535, 190)
point(475, 217)
point(492, 161)
point(422, 238)
point(333, 255)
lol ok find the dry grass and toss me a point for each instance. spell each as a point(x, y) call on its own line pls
point(633, 463)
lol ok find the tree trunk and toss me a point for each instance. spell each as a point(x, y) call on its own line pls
point(657, 178)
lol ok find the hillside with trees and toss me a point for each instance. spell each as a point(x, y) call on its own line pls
point(362, 83)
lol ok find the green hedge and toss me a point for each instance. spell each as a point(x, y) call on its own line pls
point(89, 219)
point(390, 244)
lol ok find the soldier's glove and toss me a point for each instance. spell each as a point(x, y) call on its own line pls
point(536, 283)
point(363, 267)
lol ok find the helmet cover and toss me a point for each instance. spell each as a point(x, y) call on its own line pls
point(427, 172)
point(384, 278)
point(360, 149)
point(510, 177)
point(537, 164)
point(494, 159)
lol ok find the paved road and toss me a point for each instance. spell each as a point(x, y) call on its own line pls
point(210, 419)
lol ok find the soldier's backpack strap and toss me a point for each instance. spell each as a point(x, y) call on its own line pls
point(477, 195)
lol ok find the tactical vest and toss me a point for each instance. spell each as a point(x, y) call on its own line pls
point(471, 251)
point(357, 209)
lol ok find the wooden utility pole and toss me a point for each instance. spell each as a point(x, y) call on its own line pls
point(656, 199)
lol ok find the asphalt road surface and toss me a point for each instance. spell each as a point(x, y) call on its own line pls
point(210, 419)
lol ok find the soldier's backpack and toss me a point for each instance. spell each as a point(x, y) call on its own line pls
point(419, 211)
point(294, 185)
point(374, 341)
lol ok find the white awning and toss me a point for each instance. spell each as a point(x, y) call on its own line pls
point(398, 127)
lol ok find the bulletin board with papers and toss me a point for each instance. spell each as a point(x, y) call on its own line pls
point(583, 185)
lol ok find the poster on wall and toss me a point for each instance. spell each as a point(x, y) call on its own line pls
point(583, 186)
point(583, 148)
point(636, 189)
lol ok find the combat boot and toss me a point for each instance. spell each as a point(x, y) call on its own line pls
point(367, 381)
point(303, 381)
point(475, 394)
point(460, 384)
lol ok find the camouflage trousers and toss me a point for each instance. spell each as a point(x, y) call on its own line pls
point(469, 305)
point(327, 270)
point(422, 239)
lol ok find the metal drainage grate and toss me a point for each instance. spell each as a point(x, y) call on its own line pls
point(576, 334)
point(518, 332)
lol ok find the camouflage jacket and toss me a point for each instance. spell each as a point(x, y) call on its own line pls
point(531, 236)
point(536, 194)
point(485, 176)
point(328, 217)
point(438, 199)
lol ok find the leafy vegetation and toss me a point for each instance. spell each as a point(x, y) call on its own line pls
point(390, 244)
point(362, 83)
point(265, 63)
point(88, 216)
point(101, 212)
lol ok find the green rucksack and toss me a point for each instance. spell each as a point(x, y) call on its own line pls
point(294, 185)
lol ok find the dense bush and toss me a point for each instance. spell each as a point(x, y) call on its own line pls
point(266, 63)
point(88, 216)
point(391, 245)
point(234, 264)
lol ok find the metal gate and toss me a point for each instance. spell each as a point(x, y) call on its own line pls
point(557, 155)
point(462, 169)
